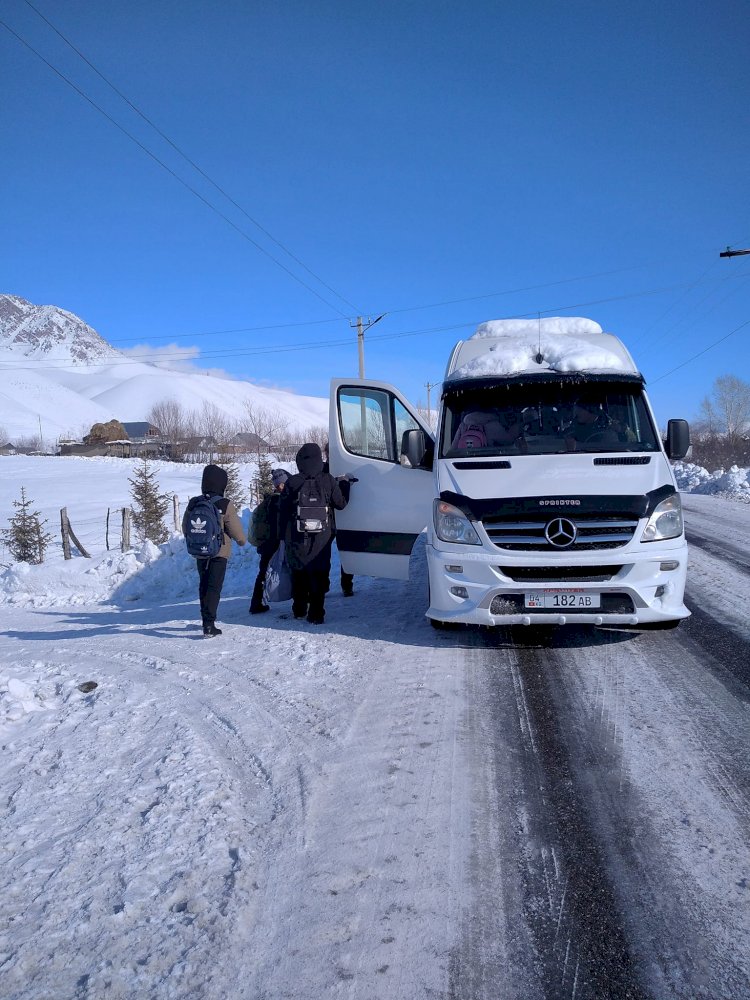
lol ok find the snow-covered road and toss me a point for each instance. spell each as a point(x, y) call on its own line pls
point(374, 809)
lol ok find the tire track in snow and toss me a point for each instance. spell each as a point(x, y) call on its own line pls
point(661, 804)
point(571, 904)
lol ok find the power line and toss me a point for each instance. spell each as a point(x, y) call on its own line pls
point(171, 172)
point(275, 349)
point(218, 333)
point(701, 353)
point(455, 326)
point(518, 291)
point(184, 155)
point(473, 298)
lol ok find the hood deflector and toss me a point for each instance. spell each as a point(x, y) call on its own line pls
point(533, 509)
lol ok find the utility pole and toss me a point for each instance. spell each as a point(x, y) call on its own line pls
point(733, 253)
point(363, 325)
point(428, 386)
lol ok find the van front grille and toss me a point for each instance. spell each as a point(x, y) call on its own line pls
point(590, 533)
point(563, 574)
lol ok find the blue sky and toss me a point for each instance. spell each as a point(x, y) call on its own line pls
point(442, 163)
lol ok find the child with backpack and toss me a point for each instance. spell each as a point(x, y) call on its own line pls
point(264, 535)
point(306, 526)
point(209, 523)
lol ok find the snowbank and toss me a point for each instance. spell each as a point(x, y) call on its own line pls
point(733, 484)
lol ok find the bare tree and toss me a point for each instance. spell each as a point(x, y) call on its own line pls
point(722, 436)
point(429, 416)
point(266, 426)
point(732, 403)
point(289, 442)
point(28, 444)
point(315, 434)
point(171, 418)
point(216, 428)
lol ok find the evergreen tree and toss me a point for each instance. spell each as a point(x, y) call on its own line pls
point(25, 537)
point(235, 491)
point(149, 506)
point(262, 484)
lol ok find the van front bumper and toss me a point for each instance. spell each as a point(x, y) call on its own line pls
point(634, 586)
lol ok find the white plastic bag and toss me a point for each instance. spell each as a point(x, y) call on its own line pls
point(278, 585)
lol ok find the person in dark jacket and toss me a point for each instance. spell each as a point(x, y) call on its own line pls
point(309, 554)
point(266, 549)
point(211, 571)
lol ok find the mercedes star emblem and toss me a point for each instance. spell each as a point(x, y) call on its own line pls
point(561, 532)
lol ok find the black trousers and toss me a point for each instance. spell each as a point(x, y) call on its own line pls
point(211, 579)
point(309, 592)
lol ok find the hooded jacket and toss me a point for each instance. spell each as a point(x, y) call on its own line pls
point(213, 483)
point(304, 550)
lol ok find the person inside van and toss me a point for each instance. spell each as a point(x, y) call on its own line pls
point(590, 425)
point(488, 428)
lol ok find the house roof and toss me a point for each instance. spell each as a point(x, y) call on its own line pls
point(139, 428)
point(249, 439)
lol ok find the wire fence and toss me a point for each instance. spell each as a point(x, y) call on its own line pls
point(87, 536)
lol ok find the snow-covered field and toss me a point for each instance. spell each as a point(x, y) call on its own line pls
point(361, 810)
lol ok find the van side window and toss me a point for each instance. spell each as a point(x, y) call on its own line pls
point(366, 423)
point(404, 422)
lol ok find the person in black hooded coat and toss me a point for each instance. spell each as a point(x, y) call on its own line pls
point(309, 555)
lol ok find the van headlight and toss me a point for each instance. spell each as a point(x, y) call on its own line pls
point(452, 525)
point(666, 520)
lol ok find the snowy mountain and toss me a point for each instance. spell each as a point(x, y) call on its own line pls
point(46, 332)
point(58, 376)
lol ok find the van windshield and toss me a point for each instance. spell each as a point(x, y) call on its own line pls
point(546, 418)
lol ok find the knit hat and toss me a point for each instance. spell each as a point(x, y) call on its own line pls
point(279, 476)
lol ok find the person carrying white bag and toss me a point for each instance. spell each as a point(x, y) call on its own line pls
point(278, 582)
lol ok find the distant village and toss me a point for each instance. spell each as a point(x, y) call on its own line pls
point(144, 439)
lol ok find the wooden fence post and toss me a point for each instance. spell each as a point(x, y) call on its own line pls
point(64, 528)
point(69, 534)
point(125, 544)
point(176, 507)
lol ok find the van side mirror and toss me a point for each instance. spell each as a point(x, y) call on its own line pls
point(678, 439)
point(417, 448)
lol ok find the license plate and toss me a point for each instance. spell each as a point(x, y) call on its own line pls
point(561, 599)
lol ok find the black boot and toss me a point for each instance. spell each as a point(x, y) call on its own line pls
point(257, 607)
point(211, 630)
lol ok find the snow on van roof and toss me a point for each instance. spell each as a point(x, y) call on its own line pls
point(568, 325)
point(534, 347)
